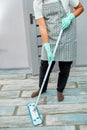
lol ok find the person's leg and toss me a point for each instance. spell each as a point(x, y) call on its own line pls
point(43, 69)
point(63, 77)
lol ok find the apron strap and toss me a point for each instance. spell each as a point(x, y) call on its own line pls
point(63, 6)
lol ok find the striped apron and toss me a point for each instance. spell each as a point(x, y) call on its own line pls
point(53, 14)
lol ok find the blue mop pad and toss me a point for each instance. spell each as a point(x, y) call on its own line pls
point(34, 114)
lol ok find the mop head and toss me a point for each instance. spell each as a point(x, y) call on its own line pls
point(34, 114)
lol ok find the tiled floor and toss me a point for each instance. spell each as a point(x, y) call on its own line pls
point(15, 94)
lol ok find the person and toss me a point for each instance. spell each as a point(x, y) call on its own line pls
point(52, 16)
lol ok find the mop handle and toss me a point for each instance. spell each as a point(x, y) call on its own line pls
point(60, 34)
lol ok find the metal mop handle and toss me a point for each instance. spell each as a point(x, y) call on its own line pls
point(60, 34)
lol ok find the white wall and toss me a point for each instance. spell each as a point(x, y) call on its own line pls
point(13, 46)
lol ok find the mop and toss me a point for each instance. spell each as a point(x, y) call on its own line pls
point(32, 107)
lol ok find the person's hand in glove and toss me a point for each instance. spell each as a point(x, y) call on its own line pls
point(67, 21)
point(49, 53)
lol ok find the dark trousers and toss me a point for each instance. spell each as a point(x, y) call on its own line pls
point(64, 68)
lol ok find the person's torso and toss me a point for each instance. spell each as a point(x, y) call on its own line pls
point(53, 13)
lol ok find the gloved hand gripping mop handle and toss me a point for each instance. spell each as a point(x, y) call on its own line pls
point(60, 34)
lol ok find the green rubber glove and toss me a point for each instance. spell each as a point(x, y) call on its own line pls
point(49, 53)
point(67, 21)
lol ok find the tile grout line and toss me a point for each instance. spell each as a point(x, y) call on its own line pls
point(15, 111)
point(77, 127)
point(76, 84)
point(20, 94)
point(1, 87)
point(26, 76)
point(44, 120)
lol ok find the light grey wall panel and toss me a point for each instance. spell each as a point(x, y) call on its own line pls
point(31, 36)
point(82, 37)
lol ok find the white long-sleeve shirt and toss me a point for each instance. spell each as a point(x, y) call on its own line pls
point(37, 5)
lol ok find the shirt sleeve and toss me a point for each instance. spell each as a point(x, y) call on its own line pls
point(37, 6)
point(74, 3)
